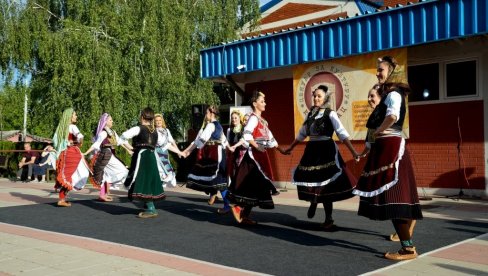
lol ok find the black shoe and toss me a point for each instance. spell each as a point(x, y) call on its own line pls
point(275, 193)
point(311, 210)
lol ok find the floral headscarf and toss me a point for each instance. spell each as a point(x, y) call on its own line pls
point(101, 125)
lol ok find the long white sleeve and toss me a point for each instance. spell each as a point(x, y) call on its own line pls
point(338, 127)
point(73, 129)
point(99, 140)
point(393, 102)
point(129, 134)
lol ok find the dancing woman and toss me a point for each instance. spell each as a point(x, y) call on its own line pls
point(322, 176)
point(108, 170)
point(252, 183)
point(72, 169)
point(162, 151)
point(387, 185)
point(374, 99)
point(144, 179)
point(209, 172)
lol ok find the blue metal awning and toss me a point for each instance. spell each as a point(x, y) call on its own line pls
point(403, 26)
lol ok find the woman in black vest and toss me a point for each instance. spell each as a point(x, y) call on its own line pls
point(322, 176)
point(387, 185)
point(144, 179)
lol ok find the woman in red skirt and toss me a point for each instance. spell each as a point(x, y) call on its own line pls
point(252, 183)
point(387, 185)
point(72, 171)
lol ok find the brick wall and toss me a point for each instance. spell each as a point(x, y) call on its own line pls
point(433, 143)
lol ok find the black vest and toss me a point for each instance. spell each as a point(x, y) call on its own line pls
point(145, 139)
point(379, 113)
point(323, 125)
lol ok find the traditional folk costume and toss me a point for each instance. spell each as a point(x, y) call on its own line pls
point(234, 136)
point(252, 183)
point(322, 176)
point(72, 169)
point(209, 174)
point(387, 185)
point(145, 176)
point(163, 154)
point(108, 171)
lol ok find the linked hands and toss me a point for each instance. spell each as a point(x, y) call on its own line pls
point(184, 154)
point(284, 151)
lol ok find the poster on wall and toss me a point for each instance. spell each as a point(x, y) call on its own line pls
point(350, 79)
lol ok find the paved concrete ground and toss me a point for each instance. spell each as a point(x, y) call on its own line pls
point(29, 251)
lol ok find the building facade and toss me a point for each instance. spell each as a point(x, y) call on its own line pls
point(445, 50)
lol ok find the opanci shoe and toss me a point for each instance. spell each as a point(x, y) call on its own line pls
point(406, 253)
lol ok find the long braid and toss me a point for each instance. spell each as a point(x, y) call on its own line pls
point(60, 139)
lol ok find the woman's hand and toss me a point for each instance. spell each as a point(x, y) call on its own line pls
point(260, 148)
point(282, 151)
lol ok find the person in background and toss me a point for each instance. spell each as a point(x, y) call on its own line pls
point(47, 161)
point(322, 176)
point(387, 187)
point(27, 163)
point(241, 146)
point(209, 174)
point(72, 169)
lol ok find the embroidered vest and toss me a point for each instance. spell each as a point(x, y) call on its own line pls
point(379, 113)
point(145, 138)
point(261, 130)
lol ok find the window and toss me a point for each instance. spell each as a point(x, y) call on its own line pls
point(424, 82)
point(445, 80)
point(461, 79)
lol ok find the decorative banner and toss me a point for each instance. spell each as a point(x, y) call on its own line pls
point(350, 79)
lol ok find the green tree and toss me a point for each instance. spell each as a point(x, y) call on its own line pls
point(113, 56)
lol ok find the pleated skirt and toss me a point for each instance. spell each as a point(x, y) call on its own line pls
point(209, 173)
point(252, 183)
point(322, 176)
point(387, 185)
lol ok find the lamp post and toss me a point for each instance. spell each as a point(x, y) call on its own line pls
point(24, 131)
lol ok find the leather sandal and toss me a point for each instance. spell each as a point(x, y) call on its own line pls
point(394, 237)
point(248, 221)
point(147, 215)
point(236, 211)
point(63, 203)
point(406, 253)
point(327, 225)
point(105, 199)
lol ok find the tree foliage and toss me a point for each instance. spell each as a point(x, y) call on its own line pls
point(114, 56)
